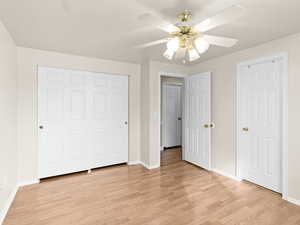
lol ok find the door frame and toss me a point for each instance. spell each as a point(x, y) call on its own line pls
point(284, 120)
point(164, 106)
point(176, 75)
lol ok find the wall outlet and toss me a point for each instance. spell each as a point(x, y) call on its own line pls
point(3, 182)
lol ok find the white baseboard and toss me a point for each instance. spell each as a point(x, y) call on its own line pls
point(153, 167)
point(143, 164)
point(226, 174)
point(8, 204)
point(149, 167)
point(133, 163)
point(25, 183)
point(294, 201)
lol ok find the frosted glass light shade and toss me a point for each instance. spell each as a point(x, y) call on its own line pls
point(173, 44)
point(201, 45)
point(193, 55)
point(169, 53)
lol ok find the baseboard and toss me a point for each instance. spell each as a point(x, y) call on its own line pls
point(294, 201)
point(26, 183)
point(133, 163)
point(226, 174)
point(143, 164)
point(153, 167)
point(8, 204)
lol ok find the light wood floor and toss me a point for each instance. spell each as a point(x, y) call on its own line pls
point(176, 194)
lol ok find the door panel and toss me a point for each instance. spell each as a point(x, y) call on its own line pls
point(197, 116)
point(260, 111)
point(83, 116)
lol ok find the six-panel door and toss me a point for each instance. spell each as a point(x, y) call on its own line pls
point(260, 123)
point(198, 120)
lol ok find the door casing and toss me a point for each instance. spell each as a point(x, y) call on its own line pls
point(158, 135)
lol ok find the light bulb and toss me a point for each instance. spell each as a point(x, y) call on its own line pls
point(169, 53)
point(201, 45)
point(193, 54)
point(173, 44)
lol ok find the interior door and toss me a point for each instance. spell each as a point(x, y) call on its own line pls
point(172, 118)
point(82, 119)
point(197, 118)
point(259, 122)
point(109, 119)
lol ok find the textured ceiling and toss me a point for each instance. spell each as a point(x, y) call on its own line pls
point(110, 29)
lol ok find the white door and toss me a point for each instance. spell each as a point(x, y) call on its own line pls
point(197, 120)
point(81, 119)
point(259, 122)
point(172, 115)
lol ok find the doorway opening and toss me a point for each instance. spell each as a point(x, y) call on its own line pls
point(172, 92)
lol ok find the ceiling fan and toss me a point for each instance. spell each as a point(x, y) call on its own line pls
point(189, 41)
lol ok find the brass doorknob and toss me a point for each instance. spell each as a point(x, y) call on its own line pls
point(208, 125)
point(245, 129)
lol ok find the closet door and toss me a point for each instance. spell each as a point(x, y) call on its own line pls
point(62, 116)
point(109, 119)
point(83, 121)
point(259, 122)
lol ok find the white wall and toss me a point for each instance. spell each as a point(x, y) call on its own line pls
point(8, 119)
point(223, 94)
point(145, 113)
point(28, 61)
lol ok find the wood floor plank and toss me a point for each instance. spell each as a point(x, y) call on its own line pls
point(178, 193)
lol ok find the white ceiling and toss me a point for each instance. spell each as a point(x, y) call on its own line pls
point(109, 29)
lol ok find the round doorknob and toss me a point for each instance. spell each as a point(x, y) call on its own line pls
point(41, 127)
point(245, 129)
point(209, 125)
point(126, 122)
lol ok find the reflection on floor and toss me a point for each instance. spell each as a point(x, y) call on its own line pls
point(169, 156)
point(178, 193)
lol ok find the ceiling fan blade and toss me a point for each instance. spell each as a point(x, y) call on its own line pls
point(226, 16)
point(220, 41)
point(163, 23)
point(152, 43)
point(169, 28)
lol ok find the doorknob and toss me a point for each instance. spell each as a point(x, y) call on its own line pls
point(41, 127)
point(208, 125)
point(179, 118)
point(245, 129)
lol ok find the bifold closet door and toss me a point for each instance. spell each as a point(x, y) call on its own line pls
point(82, 119)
